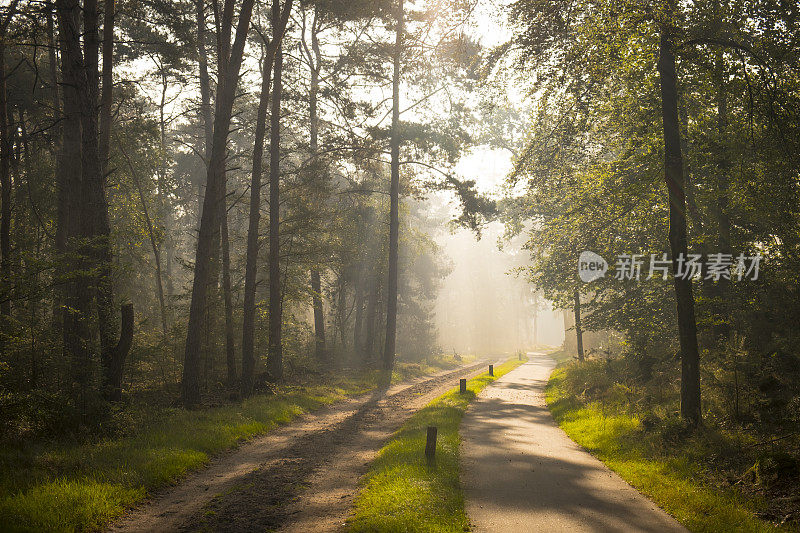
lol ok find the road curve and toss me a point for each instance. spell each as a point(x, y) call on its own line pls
point(520, 471)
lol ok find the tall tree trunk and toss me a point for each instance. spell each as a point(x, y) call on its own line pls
point(205, 80)
point(5, 187)
point(578, 327)
point(95, 214)
point(535, 318)
point(341, 314)
point(52, 65)
point(673, 175)
point(394, 199)
point(371, 318)
point(164, 214)
point(63, 170)
point(108, 83)
point(207, 349)
point(358, 300)
point(78, 345)
point(319, 318)
point(209, 220)
point(314, 58)
point(230, 348)
point(251, 261)
point(275, 354)
point(206, 110)
point(35, 221)
point(722, 203)
point(210, 346)
point(61, 188)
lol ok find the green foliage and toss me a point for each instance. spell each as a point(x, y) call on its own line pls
point(714, 479)
point(590, 174)
point(77, 486)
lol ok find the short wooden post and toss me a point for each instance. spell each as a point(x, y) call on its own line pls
point(491, 370)
point(430, 444)
point(519, 354)
point(462, 386)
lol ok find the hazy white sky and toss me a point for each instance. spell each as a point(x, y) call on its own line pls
point(487, 166)
point(482, 306)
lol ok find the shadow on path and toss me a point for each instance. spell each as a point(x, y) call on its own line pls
point(310, 484)
point(300, 473)
point(522, 473)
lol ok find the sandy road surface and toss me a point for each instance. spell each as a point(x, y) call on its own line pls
point(299, 477)
point(520, 472)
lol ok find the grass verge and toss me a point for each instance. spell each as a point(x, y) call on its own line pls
point(401, 492)
point(670, 475)
point(73, 486)
point(561, 356)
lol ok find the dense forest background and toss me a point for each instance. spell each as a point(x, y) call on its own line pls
point(201, 197)
point(669, 129)
point(200, 194)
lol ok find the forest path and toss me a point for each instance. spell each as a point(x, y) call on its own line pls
point(520, 471)
point(298, 477)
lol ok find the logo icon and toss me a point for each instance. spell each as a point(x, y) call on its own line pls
point(591, 267)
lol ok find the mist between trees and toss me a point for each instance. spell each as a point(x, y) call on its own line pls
point(205, 197)
point(486, 305)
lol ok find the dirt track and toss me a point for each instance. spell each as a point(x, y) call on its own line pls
point(299, 477)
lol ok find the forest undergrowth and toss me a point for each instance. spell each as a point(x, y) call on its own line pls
point(81, 483)
point(723, 476)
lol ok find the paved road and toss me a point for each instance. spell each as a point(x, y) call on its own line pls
point(521, 473)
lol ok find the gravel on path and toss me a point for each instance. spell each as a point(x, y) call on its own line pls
point(298, 477)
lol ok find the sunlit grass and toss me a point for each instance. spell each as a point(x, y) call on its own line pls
point(667, 476)
point(401, 492)
point(561, 356)
point(82, 486)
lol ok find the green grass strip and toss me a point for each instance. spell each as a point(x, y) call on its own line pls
point(401, 492)
point(77, 487)
point(672, 481)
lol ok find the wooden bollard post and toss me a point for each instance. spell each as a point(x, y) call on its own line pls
point(491, 370)
point(519, 354)
point(462, 386)
point(430, 444)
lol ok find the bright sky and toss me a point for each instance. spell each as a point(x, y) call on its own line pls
point(487, 166)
